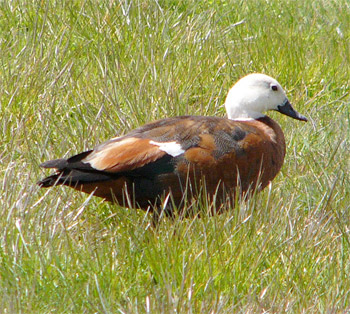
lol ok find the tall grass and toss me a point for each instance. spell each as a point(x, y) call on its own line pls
point(75, 73)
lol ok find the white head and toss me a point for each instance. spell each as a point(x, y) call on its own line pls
point(254, 94)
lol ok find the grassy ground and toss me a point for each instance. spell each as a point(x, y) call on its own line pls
point(74, 73)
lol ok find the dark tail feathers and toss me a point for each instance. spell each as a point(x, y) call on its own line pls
point(56, 163)
point(72, 172)
point(50, 181)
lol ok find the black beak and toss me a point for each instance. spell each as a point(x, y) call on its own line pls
point(288, 110)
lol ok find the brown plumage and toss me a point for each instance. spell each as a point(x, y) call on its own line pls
point(180, 156)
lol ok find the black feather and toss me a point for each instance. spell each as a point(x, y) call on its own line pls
point(56, 163)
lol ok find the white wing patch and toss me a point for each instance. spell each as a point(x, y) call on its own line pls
point(172, 148)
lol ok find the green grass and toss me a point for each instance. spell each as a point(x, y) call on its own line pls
point(75, 73)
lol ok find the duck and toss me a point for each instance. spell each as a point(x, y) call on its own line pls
point(163, 165)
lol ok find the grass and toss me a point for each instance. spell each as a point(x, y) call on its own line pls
point(75, 73)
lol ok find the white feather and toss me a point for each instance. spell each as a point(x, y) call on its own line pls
point(252, 95)
point(172, 148)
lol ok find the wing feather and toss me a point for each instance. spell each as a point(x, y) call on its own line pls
point(123, 155)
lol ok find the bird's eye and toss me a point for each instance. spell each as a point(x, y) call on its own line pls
point(274, 87)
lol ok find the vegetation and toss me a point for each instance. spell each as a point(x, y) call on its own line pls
point(75, 73)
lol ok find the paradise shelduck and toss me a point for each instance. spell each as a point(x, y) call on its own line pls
point(175, 159)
